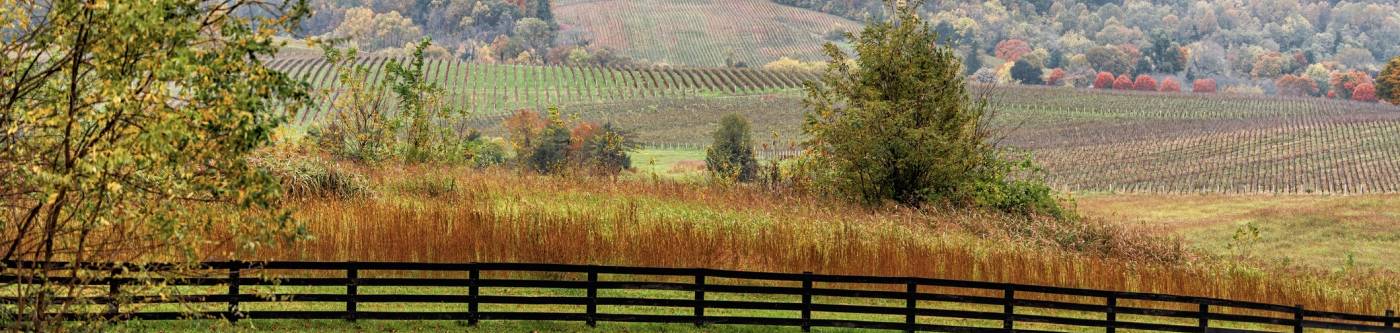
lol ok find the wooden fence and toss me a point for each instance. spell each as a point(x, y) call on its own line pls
point(1022, 308)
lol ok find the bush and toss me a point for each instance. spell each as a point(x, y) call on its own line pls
point(1026, 73)
point(548, 146)
point(604, 151)
point(1145, 83)
point(1170, 85)
point(307, 175)
point(551, 150)
point(1365, 92)
point(731, 154)
point(1056, 77)
point(1123, 82)
point(1203, 86)
point(900, 126)
point(1103, 81)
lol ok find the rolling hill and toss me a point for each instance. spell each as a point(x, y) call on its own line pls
point(700, 32)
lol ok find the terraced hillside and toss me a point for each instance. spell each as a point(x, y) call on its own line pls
point(700, 32)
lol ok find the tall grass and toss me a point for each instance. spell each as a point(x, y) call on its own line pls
point(504, 216)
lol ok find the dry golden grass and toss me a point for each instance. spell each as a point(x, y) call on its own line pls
point(505, 216)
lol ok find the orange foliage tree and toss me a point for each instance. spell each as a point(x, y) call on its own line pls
point(1123, 83)
point(1294, 85)
point(1203, 86)
point(1344, 83)
point(1103, 81)
point(1170, 85)
point(1364, 92)
point(1012, 49)
point(1145, 83)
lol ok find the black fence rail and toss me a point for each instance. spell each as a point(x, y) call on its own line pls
point(1022, 308)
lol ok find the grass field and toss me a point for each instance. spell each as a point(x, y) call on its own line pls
point(756, 32)
point(1328, 232)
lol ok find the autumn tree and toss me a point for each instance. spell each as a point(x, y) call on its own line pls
point(1123, 82)
point(1170, 85)
point(1203, 86)
point(1293, 85)
point(123, 137)
point(896, 123)
point(1388, 83)
point(1145, 83)
point(1344, 83)
point(1365, 92)
point(1103, 81)
point(1056, 77)
point(1012, 49)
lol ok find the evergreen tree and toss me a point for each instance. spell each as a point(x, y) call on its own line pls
point(1026, 73)
point(731, 155)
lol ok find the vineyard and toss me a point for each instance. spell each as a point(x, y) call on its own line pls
point(701, 33)
point(494, 90)
point(1087, 140)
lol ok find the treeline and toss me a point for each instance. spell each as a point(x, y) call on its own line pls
point(484, 31)
point(1248, 46)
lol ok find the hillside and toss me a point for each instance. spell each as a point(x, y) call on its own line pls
point(699, 32)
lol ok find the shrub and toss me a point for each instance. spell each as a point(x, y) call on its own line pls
point(308, 175)
point(1203, 86)
point(1170, 85)
point(1293, 85)
point(550, 151)
point(1103, 81)
point(900, 126)
point(1026, 73)
point(604, 152)
point(1056, 77)
point(731, 154)
point(1145, 83)
point(1123, 82)
point(1344, 83)
point(1365, 92)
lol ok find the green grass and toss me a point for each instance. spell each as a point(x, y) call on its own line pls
point(663, 162)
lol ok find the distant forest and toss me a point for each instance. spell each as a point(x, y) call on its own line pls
point(1249, 44)
point(1287, 47)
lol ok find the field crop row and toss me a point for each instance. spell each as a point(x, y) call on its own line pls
point(494, 90)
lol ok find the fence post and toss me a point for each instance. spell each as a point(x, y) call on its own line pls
point(1204, 318)
point(1390, 318)
point(472, 292)
point(233, 276)
point(1112, 314)
point(592, 296)
point(911, 303)
point(113, 290)
point(352, 288)
point(1008, 322)
point(1298, 318)
point(806, 301)
point(700, 298)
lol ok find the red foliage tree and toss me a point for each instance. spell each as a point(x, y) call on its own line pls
point(1055, 78)
point(1364, 92)
point(1344, 83)
point(1012, 49)
point(1170, 85)
point(1145, 83)
point(1123, 83)
point(1203, 86)
point(1294, 85)
point(1103, 81)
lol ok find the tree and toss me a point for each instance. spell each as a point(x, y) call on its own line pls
point(1293, 85)
point(1344, 83)
point(1026, 73)
point(1388, 83)
point(1056, 77)
point(605, 151)
point(1110, 59)
point(1170, 85)
point(731, 154)
point(896, 123)
point(422, 109)
point(1103, 81)
point(1012, 49)
point(1203, 86)
point(1364, 92)
point(1145, 83)
point(550, 153)
point(124, 135)
point(1123, 83)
